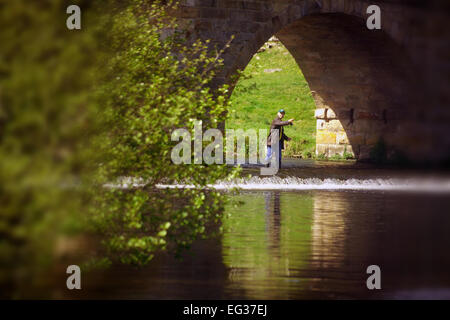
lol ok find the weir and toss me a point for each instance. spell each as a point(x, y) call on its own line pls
point(293, 183)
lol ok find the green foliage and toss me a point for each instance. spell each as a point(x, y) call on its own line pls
point(79, 109)
point(46, 119)
point(258, 96)
point(322, 156)
point(337, 157)
point(382, 154)
point(264, 230)
point(378, 153)
point(348, 155)
point(157, 84)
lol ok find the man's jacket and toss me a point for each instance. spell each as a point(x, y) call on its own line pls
point(277, 123)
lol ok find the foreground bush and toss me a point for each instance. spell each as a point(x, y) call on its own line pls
point(79, 109)
point(158, 84)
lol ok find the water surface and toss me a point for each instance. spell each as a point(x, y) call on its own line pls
point(311, 242)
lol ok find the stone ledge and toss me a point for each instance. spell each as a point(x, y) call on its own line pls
point(325, 113)
point(330, 150)
point(330, 125)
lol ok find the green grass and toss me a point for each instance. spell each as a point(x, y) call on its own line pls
point(259, 95)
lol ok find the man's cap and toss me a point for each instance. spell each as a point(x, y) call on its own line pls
point(281, 111)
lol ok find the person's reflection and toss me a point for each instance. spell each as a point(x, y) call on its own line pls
point(273, 222)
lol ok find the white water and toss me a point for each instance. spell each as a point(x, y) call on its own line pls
point(433, 185)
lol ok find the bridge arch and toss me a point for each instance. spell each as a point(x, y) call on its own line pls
point(368, 86)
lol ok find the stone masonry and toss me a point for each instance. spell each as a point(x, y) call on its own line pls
point(369, 86)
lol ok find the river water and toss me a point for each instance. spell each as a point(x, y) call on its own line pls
point(309, 233)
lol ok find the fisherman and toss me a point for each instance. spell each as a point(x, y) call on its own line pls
point(277, 124)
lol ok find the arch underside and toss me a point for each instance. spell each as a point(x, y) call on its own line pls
point(359, 81)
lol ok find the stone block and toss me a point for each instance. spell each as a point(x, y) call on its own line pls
point(325, 137)
point(320, 113)
point(330, 114)
point(356, 138)
point(349, 149)
point(341, 138)
point(249, 26)
point(334, 126)
point(334, 149)
point(214, 13)
point(321, 124)
point(206, 3)
point(364, 152)
point(261, 16)
point(367, 115)
point(321, 149)
point(365, 125)
point(202, 25)
point(344, 115)
point(186, 12)
point(372, 138)
point(318, 100)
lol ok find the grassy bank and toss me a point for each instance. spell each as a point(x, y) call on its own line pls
point(261, 92)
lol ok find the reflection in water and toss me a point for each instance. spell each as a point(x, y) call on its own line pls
point(264, 244)
point(273, 223)
point(328, 231)
point(319, 244)
point(296, 245)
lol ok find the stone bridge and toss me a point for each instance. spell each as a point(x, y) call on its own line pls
point(371, 87)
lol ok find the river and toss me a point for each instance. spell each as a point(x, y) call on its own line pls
point(310, 233)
